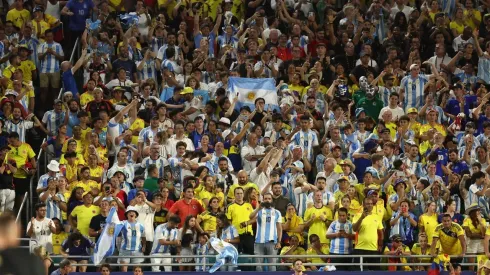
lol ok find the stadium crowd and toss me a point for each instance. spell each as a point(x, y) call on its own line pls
point(376, 143)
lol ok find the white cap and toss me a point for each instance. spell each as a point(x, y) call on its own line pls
point(224, 120)
point(227, 133)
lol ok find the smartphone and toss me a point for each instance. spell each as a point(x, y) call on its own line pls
point(400, 174)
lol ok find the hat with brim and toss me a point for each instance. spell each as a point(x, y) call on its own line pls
point(349, 163)
point(131, 209)
point(54, 166)
point(86, 193)
point(187, 90)
point(344, 178)
point(472, 207)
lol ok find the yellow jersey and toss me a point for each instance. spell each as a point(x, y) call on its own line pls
point(417, 250)
point(325, 248)
point(85, 98)
point(84, 215)
point(18, 18)
point(78, 160)
point(239, 213)
point(58, 240)
point(231, 191)
point(448, 238)
point(438, 127)
point(21, 155)
point(468, 224)
point(27, 67)
point(87, 186)
point(96, 172)
point(295, 222)
point(368, 229)
point(318, 226)
point(138, 124)
point(208, 221)
point(429, 223)
point(79, 146)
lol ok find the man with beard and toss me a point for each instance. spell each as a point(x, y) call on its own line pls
point(269, 231)
point(371, 104)
point(243, 183)
point(53, 119)
point(327, 196)
point(278, 200)
point(19, 125)
point(224, 178)
point(124, 62)
point(369, 228)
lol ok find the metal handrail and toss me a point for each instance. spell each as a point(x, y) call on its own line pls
point(21, 207)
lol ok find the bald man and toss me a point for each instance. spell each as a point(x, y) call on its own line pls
point(243, 183)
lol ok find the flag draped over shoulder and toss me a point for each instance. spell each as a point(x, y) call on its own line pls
point(107, 241)
point(226, 251)
point(249, 89)
point(169, 92)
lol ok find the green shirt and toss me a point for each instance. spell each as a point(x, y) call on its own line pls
point(372, 107)
point(151, 184)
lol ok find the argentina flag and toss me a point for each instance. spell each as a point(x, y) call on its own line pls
point(169, 92)
point(249, 89)
point(107, 241)
point(226, 252)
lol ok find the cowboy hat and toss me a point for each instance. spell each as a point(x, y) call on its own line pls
point(348, 162)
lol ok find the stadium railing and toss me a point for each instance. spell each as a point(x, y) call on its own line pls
point(247, 260)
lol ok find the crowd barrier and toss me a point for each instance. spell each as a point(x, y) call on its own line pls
point(279, 273)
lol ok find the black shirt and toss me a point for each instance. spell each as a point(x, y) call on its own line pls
point(281, 203)
point(98, 222)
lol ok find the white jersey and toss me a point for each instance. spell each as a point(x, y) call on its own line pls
point(42, 233)
point(128, 171)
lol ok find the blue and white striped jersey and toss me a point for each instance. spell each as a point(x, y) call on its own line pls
point(162, 232)
point(160, 162)
point(340, 245)
point(50, 64)
point(131, 236)
point(53, 121)
point(414, 91)
point(19, 127)
point(267, 219)
point(307, 140)
point(52, 208)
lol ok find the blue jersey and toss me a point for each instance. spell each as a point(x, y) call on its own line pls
point(69, 83)
point(81, 11)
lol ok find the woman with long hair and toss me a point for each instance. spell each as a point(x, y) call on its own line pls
point(251, 196)
point(207, 221)
point(292, 225)
point(77, 245)
point(451, 210)
point(205, 145)
point(428, 221)
point(193, 83)
point(76, 199)
point(474, 226)
point(213, 133)
point(188, 238)
point(421, 248)
point(457, 24)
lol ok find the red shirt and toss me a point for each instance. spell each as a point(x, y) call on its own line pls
point(184, 209)
point(284, 53)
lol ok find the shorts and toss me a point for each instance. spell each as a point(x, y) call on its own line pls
point(474, 246)
point(45, 79)
point(21, 186)
point(123, 253)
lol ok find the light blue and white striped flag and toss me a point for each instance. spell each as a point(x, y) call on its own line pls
point(226, 253)
point(107, 241)
point(249, 89)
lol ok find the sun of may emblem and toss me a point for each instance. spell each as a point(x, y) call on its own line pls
point(251, 95)
point(111, 230)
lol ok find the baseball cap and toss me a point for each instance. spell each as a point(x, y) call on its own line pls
point(224, 120)
point(187, 90)
point(413, 110)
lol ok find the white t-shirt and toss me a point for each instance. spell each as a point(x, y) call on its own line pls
point(396, 113)
point(146, 217)
point(42, 234)
point(196, 102)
